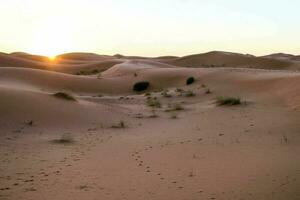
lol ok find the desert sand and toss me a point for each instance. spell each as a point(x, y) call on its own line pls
point(110, 143)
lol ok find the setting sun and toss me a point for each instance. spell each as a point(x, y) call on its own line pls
point(52, 37)
point(52, 58)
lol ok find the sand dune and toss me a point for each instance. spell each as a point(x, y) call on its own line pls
point(83, 56)
point(43, 108)
point(60, 65)
point(120, 146)
point(280, 56)
point(8, 60)
point(30, 56)
point(224, 59)
point(115, 81)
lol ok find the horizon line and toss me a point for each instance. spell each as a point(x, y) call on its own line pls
point(165, 55)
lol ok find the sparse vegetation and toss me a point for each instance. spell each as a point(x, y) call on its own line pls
point(174, 107)
point(207, 91)
point(165, 94)
point(178, 107)
point(285, 138)
point(179, 90)
point(88, 72)
point(173, 116)
point(66, 138)
point(230, 101)
point(119, 56)
point(30, 123)
point(121, 124)
point(153, 114)
point(190, 80)
point(141, 86)
point(153, 102)
point(189, 93)
point(191, 174)
point(64, 95)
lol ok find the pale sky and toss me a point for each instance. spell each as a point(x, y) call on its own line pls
point(149, 27)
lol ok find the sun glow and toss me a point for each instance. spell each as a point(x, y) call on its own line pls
point(52, 58)
point(53, 37)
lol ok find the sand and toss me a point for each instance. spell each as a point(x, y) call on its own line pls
point(203, 151)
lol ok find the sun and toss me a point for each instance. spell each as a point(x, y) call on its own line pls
point(51, 58)
point(51, 38)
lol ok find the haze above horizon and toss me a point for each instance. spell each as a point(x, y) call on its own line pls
point(152, 28)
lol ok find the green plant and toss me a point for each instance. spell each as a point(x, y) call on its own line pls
point(230, 101)
point(190, 80)
point(64, 95)
point(141, 86)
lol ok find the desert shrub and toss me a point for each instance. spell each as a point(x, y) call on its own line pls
point(64, 95)
point(178, 107)
point(189, 93)
point(65, 138)
point(30, 123)
point(207, 91)
point(165, 94)
point(119, 56)
point(179, 90)
point(153, 102)
point(153, 114)
point(88, 72)
point(190, 80)
point(173, 116)
point(141, 86)
point(95, 71)
point(174, 107)
point(121, 124)
point(230, 101)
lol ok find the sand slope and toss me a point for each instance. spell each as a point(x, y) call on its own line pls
point(201, 151)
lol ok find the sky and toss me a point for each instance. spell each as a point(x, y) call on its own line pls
point(149, 27)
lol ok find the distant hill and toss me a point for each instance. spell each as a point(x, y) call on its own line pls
point(227, 59)
point(81, 60)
